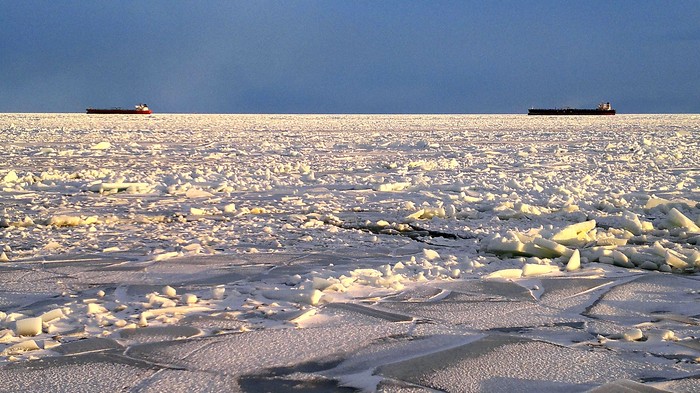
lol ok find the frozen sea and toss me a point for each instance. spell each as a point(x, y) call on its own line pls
point(393, 253)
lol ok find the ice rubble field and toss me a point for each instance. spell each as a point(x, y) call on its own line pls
point(394, 253)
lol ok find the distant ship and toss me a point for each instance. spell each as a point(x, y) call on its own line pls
point(603, 109)
point(140, 109)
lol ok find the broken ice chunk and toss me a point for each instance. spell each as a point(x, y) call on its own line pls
point(143, 321)
point(633, 334)
point(632, 223)
point(28, 326)
point(574, 262)
point(678, 219)
point(166, 255)
point(94, 308)
point(399, 186)
point(24, 346)
point(666, 335)
point(217, 293)
point(169, 291)
point(619, 257)
point(428, 213)
point(531, 269)
point(10, 177)
point(321, 283)
point(189, 298)
point(693, 257)
point(6, 336)
point(194, 193)
point(70, 221)
point(506, 244)
point(649, 265)
point(519, 244)
point(554, 246)
point(430, 255)
point(629, 221)
point(674, 260)
point(101, 146)
point(293, 280)
point(197, 211)
point(506, 273)
point(574, 234)
point(51, 315)
point(671, 258)
point(163, 301)
point(308, 296)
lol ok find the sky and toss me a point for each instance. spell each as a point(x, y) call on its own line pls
point(333, 56)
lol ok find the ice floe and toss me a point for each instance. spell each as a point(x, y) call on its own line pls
point(390, 253)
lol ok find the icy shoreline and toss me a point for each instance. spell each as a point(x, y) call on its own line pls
point(430, 228)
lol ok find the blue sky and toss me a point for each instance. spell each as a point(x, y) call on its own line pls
point(331, 56)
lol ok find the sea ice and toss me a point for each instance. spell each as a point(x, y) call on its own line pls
point(310, 250)
point(52, 315)
point(677, 218)
point(28, 326)
point(574, 261)
point(189, 298)
point(104, 145)
point(633, 334)
point(24, 346)
point(531, 269)
point(575, 234)
point(169, 291)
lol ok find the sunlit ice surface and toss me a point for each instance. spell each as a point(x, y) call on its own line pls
point(358, 252)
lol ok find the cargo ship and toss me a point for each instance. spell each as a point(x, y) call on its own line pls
point(140, 109)
point(603, 109)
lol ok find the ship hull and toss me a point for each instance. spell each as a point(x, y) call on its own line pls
point(570, 112)
point(118, 111)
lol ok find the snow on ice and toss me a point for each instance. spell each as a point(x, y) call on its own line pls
point(270, 252)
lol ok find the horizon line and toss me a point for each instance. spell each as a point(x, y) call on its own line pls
point(349, 113)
